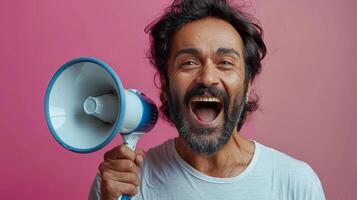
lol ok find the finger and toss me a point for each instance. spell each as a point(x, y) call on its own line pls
point(108, 196)
point(139, 159)
point(120, 152)
point(120, 165)
point(125, 177)
point(140, 152)
point(105, 196)
point(114, 189)
point(108, 190)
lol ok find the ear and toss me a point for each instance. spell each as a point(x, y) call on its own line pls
point(249, 89)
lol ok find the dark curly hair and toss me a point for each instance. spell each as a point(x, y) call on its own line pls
point(181, 12)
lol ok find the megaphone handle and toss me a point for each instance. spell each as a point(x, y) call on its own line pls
point(130, 140)
point(125, 197)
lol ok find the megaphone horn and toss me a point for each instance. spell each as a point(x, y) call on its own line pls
point(86, 106)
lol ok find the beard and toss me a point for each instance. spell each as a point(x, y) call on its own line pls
point(202, 140)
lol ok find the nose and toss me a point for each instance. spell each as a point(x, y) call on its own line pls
point(208, 76)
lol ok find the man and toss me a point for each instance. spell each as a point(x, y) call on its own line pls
point(207, 55)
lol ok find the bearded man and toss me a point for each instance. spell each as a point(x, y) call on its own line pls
point(207, 54)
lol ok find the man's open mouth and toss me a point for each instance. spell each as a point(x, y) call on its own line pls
point(206, 108)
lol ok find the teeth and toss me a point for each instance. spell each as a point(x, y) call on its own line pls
point(206, 99)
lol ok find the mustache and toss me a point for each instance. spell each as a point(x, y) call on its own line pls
point(200, 89)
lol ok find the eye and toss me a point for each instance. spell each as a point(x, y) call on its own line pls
point(189, 64)
point(226, 64)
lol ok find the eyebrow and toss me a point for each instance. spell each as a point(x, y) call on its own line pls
point(222, 50)
point(195, 51)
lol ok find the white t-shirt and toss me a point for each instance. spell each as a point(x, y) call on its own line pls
point(271, 175)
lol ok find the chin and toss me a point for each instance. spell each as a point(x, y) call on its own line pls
point(206, 141)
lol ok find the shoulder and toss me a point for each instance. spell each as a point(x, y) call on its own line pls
point(162, 152)
point(161, 156)
point(293, 175)
point(286, 164)
point(160, 163)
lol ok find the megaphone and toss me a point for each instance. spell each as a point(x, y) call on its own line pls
point(86, 106)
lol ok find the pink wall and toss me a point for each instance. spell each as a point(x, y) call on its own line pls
point(307, 86)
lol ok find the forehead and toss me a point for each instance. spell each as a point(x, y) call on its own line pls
point(207, 34)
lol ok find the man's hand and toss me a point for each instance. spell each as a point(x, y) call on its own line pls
point(120, 172)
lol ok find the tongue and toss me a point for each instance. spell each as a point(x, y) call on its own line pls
point(206, 114)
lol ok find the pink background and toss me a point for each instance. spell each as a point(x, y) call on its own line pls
point(308, 86)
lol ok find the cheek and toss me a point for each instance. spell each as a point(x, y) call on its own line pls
point(179, 85)
point(234, 85)
point(233, 80)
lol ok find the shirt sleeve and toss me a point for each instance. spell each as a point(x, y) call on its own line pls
point(94, 193)
point(317, 191)
point(308, 185)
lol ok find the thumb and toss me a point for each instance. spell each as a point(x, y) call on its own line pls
point(140, 154)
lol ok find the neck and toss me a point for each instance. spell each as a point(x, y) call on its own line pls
point(229, 161)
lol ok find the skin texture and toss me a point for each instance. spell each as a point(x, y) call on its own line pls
point(195, 59)
point(120, 172)
point(206, 66)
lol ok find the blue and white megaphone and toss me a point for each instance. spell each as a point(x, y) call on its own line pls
point(86, 106)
